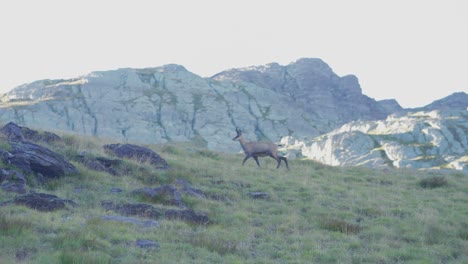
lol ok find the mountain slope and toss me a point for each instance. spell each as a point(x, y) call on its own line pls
point(456, 101)
point(311, 214)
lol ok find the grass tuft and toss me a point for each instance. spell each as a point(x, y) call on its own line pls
point(13, 226)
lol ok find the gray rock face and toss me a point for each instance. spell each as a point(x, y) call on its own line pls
point(169, 103)
point(314, 88)
point(433, 140)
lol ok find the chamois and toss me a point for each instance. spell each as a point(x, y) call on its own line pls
point(259, 149)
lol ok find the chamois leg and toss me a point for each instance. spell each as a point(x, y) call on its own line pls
point(285, 161)
point(246, 158)
point(256, 160)
point(277, 160)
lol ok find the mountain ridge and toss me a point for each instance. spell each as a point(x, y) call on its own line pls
point(303, 99)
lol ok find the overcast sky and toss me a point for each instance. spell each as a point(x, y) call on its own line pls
point(415, 51)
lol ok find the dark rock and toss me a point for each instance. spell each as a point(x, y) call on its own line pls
point(169, 194)
point(30, 157)
point(132, 220)
point(6, 202)
point(185, 188)
point(138, 153)
point(116, 190)
point(13, 187)
point(11, 175)
point(142, 210)
point(187, 215)
point(165, 194)
point(42, 201)
point(147, 244)
point(258, 195)
point(35, 136)
point(12, 131)
point(101, 164)
point(15, 181)
point(22, 254)
point(19, 133)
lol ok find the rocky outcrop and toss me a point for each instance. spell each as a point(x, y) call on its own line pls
point(138, 153)
point(435, 140)
point(33, 158)
point(42, 201)
point(18, 133)
point(12, 181)
point(30, 157)
point(169, 103)
point(103, 164)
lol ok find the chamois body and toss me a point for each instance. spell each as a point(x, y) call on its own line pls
point(259, 149)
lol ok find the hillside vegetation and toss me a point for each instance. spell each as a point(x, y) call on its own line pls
point(311, 214)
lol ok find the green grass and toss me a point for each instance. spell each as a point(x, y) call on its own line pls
point(313, 214)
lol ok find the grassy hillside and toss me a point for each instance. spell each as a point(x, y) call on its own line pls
point(312, 213)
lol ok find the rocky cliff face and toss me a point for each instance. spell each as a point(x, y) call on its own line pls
point(435, 139)
point(169, 103)
point(314, 88)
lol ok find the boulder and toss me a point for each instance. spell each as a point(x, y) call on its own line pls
point(186, 188)
point(12, 181)
point(42, 201)
point(165, 194)
point(33, 158)
point(101, 164)
point(18, 133)
point(138, 153)
point(12, 132)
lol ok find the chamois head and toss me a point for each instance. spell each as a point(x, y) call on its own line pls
point(239, 134)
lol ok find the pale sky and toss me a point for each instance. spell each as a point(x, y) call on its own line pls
point(414, 51)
